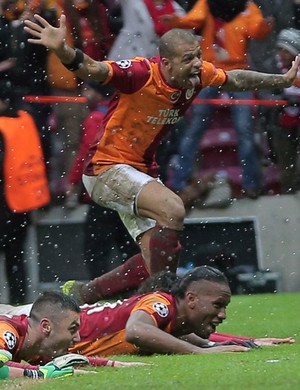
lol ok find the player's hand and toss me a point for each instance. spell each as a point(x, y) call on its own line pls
point(225, 348)
point(5, 357)
point(269, 341)
point(70, 360)
point(291, 74)
point(50, 371)
point(44, 34)
point(61, 366)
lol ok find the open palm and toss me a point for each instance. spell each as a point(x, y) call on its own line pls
point(44, 34)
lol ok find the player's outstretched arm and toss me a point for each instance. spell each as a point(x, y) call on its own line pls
point(143, 332)
point(270, 341)
point(240, 80)
point(55, 39)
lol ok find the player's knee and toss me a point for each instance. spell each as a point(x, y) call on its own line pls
point(174, 213)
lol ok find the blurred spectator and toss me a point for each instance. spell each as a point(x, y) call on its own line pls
point(226, 28)
point(28, 74)
point(186, 4)
point(88, 30)
point(297, 13)
point(23, 186)
point(104, 232)
point(262, 58)
point(7, 59)
point(286, 139)
point(262, 51)
point(115, 18)
point(142, 27)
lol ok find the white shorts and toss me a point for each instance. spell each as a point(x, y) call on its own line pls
point(117, 188)
point(15, 310)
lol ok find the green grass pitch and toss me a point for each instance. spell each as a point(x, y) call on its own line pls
point(273, 368)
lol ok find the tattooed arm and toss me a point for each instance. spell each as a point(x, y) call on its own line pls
point(241, 80)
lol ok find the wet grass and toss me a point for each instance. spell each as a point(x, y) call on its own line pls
point(276, 315)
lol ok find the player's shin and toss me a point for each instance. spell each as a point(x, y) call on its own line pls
point(165, 249)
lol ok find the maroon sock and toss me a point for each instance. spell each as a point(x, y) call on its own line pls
point(127, 276)
point(165, 249)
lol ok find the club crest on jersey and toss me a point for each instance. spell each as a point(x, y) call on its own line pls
point(189, 93)
point(123, 64)
point(10, 339)
point(161, 309)
point(175, 96)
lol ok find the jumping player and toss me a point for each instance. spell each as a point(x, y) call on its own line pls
point(151, 96)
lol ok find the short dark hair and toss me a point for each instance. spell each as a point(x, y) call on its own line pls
point(51, 303)
point(169, 41)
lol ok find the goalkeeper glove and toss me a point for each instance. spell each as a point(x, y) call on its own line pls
point(5, 357)
point(58, 367)
point(48, 371)
point(70, 359)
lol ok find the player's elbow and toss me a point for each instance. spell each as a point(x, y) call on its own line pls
point(133, 334)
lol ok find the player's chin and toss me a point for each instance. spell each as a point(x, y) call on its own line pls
point(205, 333)
point(60, 351)
point(210, 330)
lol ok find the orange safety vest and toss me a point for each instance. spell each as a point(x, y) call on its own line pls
point(25, 181)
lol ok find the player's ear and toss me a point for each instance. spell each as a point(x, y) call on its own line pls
point(191, 299)
point(165, 62)
point(45, 326)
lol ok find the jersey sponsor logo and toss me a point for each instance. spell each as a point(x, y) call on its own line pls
point(10, 339)
point(124, 64)
point(165, 117)
point(161, 309)
point(189, 93)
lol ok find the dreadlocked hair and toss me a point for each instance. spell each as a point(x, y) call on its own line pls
point(204, 272)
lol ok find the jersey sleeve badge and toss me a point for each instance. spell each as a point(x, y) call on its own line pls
point(161, 309)
point(10, 339)
point(124, 64)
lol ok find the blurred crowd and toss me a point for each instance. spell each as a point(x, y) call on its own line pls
point(233, 150)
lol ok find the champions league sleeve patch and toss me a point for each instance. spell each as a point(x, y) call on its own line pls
point(161, 309)
point(124, 64)
point(10, 339)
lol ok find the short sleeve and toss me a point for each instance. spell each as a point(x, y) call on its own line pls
point(158, 307)
point(8, 336)
point(128, 76)
point(212, 76)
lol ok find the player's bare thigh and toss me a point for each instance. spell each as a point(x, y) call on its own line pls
point(127, 190)
point(158, 202)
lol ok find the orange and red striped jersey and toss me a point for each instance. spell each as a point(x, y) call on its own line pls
point(102, 326)
point(13, 331)
point(142, 110)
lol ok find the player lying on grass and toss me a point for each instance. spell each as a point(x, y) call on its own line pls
point(46, 332)
point(182, 320)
